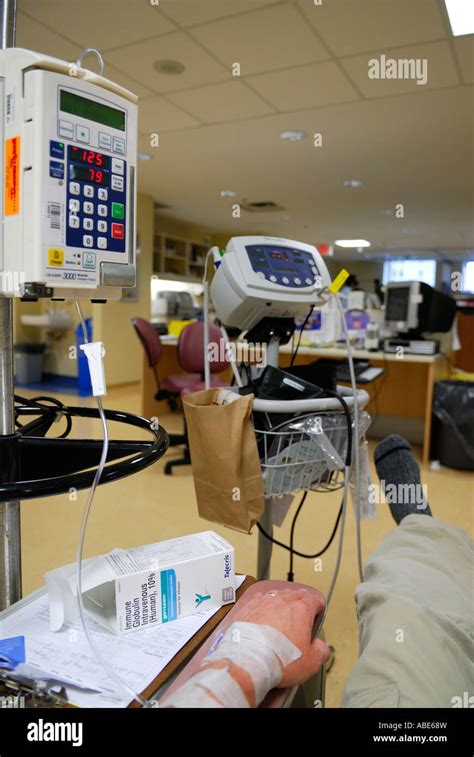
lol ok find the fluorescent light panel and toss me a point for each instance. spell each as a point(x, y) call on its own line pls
point(461, 16)
point(352, 243)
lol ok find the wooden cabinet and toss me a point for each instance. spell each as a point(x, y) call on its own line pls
point(181, 259)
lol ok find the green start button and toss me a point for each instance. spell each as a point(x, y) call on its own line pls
point(117, 210)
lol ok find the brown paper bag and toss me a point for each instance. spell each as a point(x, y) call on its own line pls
point(226, 465)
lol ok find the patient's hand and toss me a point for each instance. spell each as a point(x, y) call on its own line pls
point(292, 613)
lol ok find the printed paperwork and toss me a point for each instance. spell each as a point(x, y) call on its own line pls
point(137, 657)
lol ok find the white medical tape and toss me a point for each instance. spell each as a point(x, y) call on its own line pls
point(217, 682)
point(259, 650)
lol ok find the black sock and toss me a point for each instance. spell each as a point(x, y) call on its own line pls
point(399, 476)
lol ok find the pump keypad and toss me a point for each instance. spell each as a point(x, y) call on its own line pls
point(96, 192)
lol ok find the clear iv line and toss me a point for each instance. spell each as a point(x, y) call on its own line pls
point(80, 545)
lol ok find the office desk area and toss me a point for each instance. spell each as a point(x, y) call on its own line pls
point(400, 399)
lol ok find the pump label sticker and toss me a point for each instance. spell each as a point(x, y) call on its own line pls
point(55, 257)
point(12, 176)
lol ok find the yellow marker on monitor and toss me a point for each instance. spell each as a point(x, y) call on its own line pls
point(338, 281)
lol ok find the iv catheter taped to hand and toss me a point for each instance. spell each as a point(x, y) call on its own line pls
point(261, 650)
point(213, 687)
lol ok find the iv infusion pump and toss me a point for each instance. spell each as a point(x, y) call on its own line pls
point(68, 146)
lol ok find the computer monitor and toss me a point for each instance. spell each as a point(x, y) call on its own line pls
point(413, 308)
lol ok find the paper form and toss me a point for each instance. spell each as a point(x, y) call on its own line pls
point(137, 657)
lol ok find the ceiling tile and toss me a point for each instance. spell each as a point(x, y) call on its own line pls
point(305, 86)
point(102, 24)
point(189, 12)
point(441, 71)
point(200, 68)
point(465, 53)
point(221, 102)
point(263, 40)
point(114, 74)
point(353, 26)
point(156, 115)
point(33, 36)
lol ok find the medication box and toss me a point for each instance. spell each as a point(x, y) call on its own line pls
point(127, 590)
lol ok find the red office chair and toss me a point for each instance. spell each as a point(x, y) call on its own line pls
point(191, 360)
point(171, 387)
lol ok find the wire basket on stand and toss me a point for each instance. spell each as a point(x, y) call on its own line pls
point(304, 452)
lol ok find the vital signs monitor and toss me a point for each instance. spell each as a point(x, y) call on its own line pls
point(262, 277)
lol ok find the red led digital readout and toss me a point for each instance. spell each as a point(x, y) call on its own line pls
point(81, 155)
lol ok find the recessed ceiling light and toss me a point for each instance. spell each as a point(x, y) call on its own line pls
point(169, 67)
point(228, 193)
point(353, 183)
point(352, 243)
point(144, 156)
point(293, 135)
point(461, 16)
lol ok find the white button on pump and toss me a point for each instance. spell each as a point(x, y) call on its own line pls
point(102, 210)
point(82, 134)
point(118, 145)
point(74, 206)
point(102, 243)
point(117, 166)
point(117, 183)
point(66, 129)
point(87, 240)
point(88, 208)
point(88, 191)
point(74, 188)
point(102, 193)
point(102, 226)
point(88, 224)
point(105, 140)
point(74, 221)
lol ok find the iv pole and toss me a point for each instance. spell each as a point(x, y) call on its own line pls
point(10, 549)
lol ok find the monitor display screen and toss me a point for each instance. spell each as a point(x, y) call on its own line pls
point(398, 299)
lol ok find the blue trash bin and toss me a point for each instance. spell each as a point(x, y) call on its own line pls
point(83, 376)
